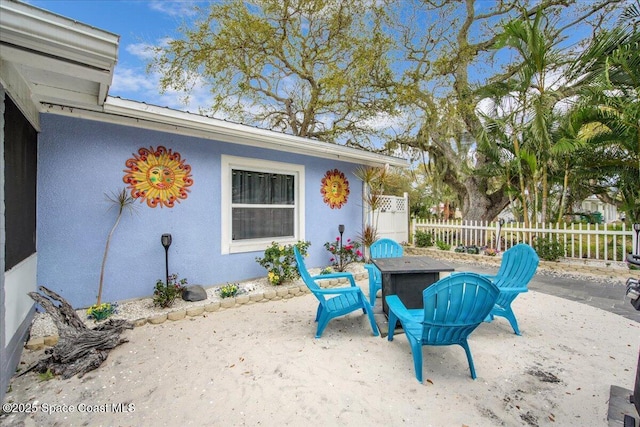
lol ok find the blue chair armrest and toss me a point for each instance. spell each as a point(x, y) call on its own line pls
point(370, 266)
point(513, 290)
point(398, 308)
point(343, 275)
point(330, 291)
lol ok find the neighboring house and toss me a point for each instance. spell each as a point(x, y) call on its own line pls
point(592, 204)
point(66, 144)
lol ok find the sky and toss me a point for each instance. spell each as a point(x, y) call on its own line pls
point(139, 23)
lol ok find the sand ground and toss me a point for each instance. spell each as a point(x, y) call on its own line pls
point(259, 364)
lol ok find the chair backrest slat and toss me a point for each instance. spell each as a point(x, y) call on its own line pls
point(518, 266)
point(386, 248)
point(304, 274)
point(454, 305)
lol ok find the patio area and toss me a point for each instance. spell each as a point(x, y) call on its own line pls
point(258, 364)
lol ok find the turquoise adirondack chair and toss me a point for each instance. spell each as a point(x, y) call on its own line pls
point(517, 268)
point(453, 309)
point(383, 248)
point(344, 300)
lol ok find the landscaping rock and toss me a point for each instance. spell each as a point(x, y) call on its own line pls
point(156, 320)
point(176, 315)
point(194, 293)
point(242, 299)
point(214, 306)
point(195, 311)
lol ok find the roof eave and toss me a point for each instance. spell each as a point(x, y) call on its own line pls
point(236, 133)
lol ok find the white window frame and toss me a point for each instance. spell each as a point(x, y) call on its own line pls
point(228, 163)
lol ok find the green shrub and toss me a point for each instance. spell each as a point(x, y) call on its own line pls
point(229, 290)
point(343, 254)
point(165, 294)
point(444, 246)
point(102, 311)
point(490, 252)
point(548, 249)
point(422, 239)
point(473, 249)
point(327, 270)
point(280, 261)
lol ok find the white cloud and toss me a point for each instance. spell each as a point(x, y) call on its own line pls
point(137, 85)
point(175, 7)
point(130, 80)
point(143, 51)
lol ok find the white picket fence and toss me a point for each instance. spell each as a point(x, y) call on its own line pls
point(604, 242)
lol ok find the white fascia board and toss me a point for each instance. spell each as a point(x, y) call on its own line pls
point(54, 65)
point(235, 133)
point(13, 83)
point(68, 97)
point(54, 35)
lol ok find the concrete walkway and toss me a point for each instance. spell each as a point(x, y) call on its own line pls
point(605, 294)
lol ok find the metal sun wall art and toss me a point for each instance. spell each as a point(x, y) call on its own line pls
point(159, 176)
point(335, 189)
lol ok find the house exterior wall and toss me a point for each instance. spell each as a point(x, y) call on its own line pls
point(79, 161)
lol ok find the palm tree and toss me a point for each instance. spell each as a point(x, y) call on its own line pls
point(609, 73)
point(536, 95)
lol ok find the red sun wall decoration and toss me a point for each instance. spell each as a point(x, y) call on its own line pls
point(335, 189)
point(159, 176)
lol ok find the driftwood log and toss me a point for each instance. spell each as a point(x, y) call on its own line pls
point(79, 348)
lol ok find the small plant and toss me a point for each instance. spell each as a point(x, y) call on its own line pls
point(548, 249)
point(229, 290)
point(443, 246)
point(473, 249)
point(327, 270)
point(368, 237)
point(460, 249)
point(343, 254)
point(490, 252)
point(422, 239)
point(102, 311)
point(165, 294)
point(46, 376)
point(280, 261)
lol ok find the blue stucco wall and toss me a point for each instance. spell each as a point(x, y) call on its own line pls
point(81, 160)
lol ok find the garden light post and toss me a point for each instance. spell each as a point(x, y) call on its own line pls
point(636, 228)
point(166, 242)
point(341, 231)
point(500, 224)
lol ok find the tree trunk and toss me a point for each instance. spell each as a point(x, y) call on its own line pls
point(79, 349)
point(478, 205)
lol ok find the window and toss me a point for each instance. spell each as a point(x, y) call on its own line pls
point(261, 202)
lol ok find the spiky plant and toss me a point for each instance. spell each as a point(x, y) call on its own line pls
point(368, 236)
point(124, 202)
